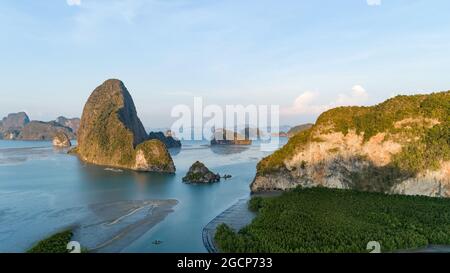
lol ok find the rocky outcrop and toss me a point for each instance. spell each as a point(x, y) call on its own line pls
point(72, 123)
point(39, 130)
point(11, 125)
point(400, 146)
point(226, 137)
point(10, 135)
point(14, 122)
point(168, 140)
point(111, 133)
point(61, 140)
point(199, 173)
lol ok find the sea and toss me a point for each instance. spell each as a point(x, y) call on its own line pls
point(44, 190)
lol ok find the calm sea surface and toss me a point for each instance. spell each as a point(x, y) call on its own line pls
point(43, 190)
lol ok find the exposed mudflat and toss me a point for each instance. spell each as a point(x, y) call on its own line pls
point(111, 227)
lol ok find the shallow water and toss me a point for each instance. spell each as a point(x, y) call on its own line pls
point(43, 190)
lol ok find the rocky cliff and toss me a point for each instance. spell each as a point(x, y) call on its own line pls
point(111, 133)
point(61, 140)
point(72, 123)
point(11, 125)
point(399, 146)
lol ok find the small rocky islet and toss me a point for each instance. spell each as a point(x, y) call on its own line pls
point(199, 174)
point(61, 140)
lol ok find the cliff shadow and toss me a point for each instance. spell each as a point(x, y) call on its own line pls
point(374, 178)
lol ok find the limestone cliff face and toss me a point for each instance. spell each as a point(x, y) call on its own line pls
point(11, 125)
point(400, 146)
point(61, 140)
point(15, 121)
point(72, 123)
point(111, 133)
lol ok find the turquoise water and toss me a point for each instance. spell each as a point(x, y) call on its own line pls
point(43, 190)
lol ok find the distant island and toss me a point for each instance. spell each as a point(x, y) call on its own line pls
point(111, 134)
point(17, 126)
point(227, 137)
point(298, 129)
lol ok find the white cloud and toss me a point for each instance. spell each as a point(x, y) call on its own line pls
point(306, 103)
point(74, 2)
point(373, 2)
point(357, 97)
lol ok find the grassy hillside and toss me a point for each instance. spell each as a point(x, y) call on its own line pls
point(431, 147)
point(330, 220)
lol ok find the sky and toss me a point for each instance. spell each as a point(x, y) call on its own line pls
point(304, 55)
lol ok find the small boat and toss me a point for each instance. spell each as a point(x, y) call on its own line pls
point(157, 242)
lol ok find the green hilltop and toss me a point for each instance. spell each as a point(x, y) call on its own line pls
point(430, 145)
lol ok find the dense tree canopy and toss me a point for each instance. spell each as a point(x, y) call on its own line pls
point(331, 220)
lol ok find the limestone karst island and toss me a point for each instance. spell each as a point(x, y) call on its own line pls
point(225, 135)
point(111, 133)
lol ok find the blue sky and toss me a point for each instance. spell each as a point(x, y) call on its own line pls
point(305, 56)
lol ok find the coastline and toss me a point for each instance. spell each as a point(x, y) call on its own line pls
point(236, 216)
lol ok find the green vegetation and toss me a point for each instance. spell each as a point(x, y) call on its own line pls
point(255, 203)
point(382, 117)
point(428, 152)
point(329, 220)
point(56, 243)
point(426, 143)
point(156, 154)
point(275, 162)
